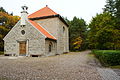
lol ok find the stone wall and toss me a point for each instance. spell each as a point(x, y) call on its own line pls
point(55, 27)
point(36, 43)
point(50, 24)
point(64, 36)
point(10, 48)
point(35, 40)
point(53, 49)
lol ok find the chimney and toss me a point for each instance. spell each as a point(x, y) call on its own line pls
point(24, 15)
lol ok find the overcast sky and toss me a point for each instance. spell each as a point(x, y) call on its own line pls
point(85, 9)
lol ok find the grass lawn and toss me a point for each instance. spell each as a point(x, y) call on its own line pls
point(115, 67)
point(106, 51)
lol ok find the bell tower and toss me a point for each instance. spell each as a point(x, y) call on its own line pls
point(24, 15)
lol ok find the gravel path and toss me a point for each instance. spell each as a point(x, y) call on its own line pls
point(108, 74)
point(117, 71)
point(72, 66)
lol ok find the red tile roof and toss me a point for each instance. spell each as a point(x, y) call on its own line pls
point(46, 11)
point(42, 30)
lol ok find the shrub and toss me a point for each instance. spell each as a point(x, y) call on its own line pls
point(1, 52)
point(108, 57)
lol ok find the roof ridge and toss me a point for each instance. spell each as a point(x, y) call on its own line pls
point(45, 11)
point(52, 10)
point(36, 11)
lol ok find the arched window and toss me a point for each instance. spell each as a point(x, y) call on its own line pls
point(63, 29)
point(50, 47)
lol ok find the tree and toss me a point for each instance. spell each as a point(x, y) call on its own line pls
point(3, 32)
point(2, 10)
point(7, 21)
point(117, 13)
point(113, 6)
point(104, 30)
point(117, 7)
point(110, 6)
point(103, 33)
point(77, 34)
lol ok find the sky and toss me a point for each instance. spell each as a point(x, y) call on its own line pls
point(85, 9)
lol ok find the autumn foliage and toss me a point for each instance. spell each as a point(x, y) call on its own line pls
point(7, 21)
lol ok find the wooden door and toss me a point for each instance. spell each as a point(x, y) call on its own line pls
point(22, 48)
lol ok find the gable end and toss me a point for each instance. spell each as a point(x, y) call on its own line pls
point(11, 30)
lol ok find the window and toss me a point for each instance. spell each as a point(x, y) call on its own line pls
point(63, 29)
point(22, 25)
point(23, 32)
point(50, 47)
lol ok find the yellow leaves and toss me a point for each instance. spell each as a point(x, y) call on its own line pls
point(3, 14)
point(77, 42)
point(9, 20)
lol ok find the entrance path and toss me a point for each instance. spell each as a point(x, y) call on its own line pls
point(72, 66)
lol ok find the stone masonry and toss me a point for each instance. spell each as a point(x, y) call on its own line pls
point(37, 42)
point(32, 36)
point(55, 27)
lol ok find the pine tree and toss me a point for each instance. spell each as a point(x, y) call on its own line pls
point(110, 6)
point(117, 13)
point(2, 10)
point(113, 6)
point(77, 34)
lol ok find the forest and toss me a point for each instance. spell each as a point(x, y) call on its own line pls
point(102, 33)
